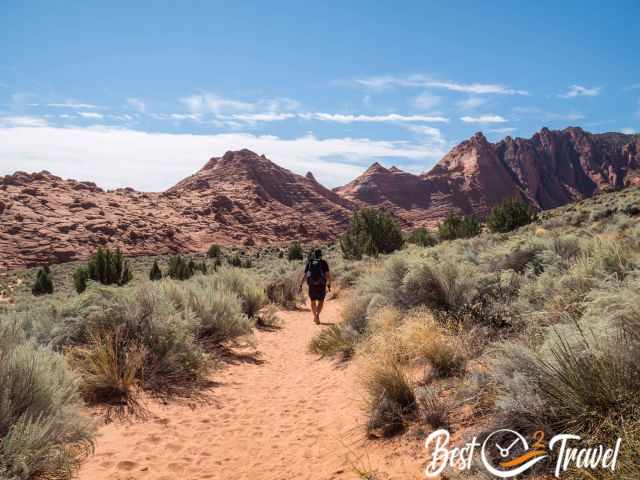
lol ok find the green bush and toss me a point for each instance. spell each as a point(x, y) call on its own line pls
point(371, 232)
point(214, 251)
point(155, 273)
point(512, 213)
point(42, 431)
point(43, 284)
point(422, 237)
point(295, 252)
point(181, 269)
point(109, 268)
point(80, 279)
point(235, 261)
point(456, 226)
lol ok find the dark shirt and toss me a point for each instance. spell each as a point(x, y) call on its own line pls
point(323, 264)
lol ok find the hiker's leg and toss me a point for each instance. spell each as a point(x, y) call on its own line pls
point(314, 308)
point(319, 307)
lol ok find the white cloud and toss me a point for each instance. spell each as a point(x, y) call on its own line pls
point(392, 117)
point(117, 157)
point(628, 130)
point(137, 104)
point(430, 134)
point(484, 119)
point(471, 103)
point(90, 115)
point(23, 121)
point(262, 117)
point(580, 91)
point(70, 104)
point(214, 104)
point(503, 130)
point(425, 81)
point(426, 101)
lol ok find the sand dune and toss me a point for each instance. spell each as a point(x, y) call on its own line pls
point(288, 415)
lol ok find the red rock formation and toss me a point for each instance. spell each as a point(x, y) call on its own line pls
point(243, 198)
point(548, 170)
point(240, 198)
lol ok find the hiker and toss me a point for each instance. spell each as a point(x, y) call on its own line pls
point(318, 276)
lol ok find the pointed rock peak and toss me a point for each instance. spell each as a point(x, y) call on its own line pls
point(395, 169)
point(376, 168)
point(479, 137)
point(310, 176)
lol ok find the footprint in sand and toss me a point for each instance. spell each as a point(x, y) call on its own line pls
point(126, 465)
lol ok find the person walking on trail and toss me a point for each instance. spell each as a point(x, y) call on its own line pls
point(318, 277)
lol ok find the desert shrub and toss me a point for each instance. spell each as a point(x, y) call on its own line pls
point(140, 338)
point(389, 395)
point(246, 286)
point(218, 310)
point(80, 279)
point(155, 273)
point(214, 251)
point(333, 340)
point(457, 226)
point(432, 409)
point(42, 431)
point(371, 232)
point(181, 269)
point(110, 367)
point(43, 284)
point(235, 261)
point(109, 267)
point(422, 237)
point(295, 252)
point(282, 288)
point(512, 213)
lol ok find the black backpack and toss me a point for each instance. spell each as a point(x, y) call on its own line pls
point(315, 273)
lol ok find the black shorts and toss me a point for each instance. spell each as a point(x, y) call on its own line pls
point(317, 292)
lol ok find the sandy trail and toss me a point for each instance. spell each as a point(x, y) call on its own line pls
point(290, 415)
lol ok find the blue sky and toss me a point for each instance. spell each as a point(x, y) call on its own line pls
point(143, 93)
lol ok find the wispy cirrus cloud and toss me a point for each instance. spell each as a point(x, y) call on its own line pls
point(628, 130)
point(504, 130)
point(210, 103)
point(94, 115)
point(424, 81)
point(580, 91)
point(67, 104)
point(391, 117)
point(471, 103)
point(426, 101)
point(483, 119)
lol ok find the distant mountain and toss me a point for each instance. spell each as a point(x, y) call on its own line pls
point(548, 170)
point(244, 198)
point(240, 198)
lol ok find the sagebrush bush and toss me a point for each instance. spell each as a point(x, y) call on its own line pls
point(295, 252)
point(43, 433)
point(422, 237)
point(214, 251)
point(390, 397)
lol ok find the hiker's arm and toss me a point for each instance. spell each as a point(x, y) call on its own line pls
point(302, 280)
point(329, 280)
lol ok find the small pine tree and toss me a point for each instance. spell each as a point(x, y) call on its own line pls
point(371, 232)
point(179, 268)
point(512, 213)
point(235, 261)
point(80, 279)
point(214, 251)
point(295, 252)
point(43, 284)
point(109, 267)
point(457, 226)
point(422, 237)
point(155, 273)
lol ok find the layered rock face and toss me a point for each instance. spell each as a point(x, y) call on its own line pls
point(548, 170)
point(240, 198)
